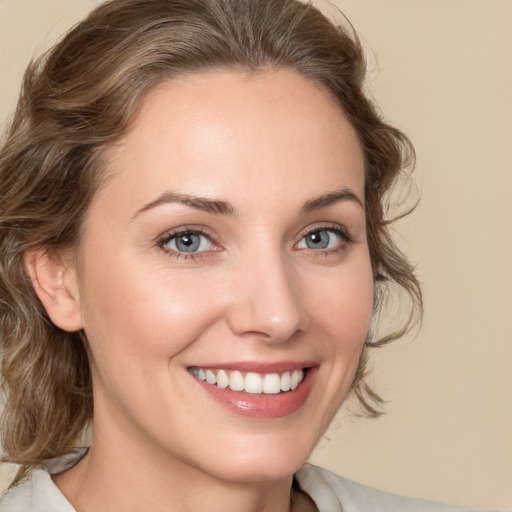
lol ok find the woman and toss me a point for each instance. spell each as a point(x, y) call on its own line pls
point(193, 247)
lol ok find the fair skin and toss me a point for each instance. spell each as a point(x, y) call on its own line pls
point(229, 235)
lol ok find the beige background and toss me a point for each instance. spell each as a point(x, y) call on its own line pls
point(441, 70)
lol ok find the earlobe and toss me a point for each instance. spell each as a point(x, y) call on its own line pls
point(55, 282)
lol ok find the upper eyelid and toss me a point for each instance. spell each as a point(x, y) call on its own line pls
point(339, 228)
point(174, 232)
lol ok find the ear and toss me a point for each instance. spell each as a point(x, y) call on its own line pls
point(55, 282)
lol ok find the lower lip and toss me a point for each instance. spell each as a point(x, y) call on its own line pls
point(263, 406)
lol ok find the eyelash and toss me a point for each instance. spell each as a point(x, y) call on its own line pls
point(168, 237)
point(174, 234)
point(338, 230)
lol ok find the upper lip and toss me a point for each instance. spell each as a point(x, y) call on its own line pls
point(259, 367)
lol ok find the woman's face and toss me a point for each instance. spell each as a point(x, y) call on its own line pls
point(228, 244)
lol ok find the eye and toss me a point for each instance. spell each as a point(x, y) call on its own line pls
point(187, 242)
point(324, 239)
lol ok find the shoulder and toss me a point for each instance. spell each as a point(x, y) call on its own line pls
point(333, 493)
point(38, 493)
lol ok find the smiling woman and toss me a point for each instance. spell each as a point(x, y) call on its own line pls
point(221, 275)
point(193, 245)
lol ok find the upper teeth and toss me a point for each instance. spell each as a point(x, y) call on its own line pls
point(250, 382)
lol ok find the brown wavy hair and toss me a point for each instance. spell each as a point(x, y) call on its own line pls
point(79, 98)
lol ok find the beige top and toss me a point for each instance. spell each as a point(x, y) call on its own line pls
point(330, 492)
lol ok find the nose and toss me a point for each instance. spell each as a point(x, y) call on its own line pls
point(266, 301)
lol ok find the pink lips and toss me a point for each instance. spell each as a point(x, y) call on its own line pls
point(264, 406)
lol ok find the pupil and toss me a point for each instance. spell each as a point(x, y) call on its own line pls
point(187, 240)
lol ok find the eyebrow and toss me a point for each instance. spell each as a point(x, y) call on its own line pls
point(204, 204)
point(344, 194)
point(219, 207)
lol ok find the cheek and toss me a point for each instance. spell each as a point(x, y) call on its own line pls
point(149, 315)
point(342, 317)
point(345, 311)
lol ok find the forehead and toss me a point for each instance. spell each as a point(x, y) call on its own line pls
point(273, 131)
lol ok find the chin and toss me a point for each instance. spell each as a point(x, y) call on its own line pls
point(258, 471)
point(262, 460)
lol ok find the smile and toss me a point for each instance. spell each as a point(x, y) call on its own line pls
point(250, 382)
